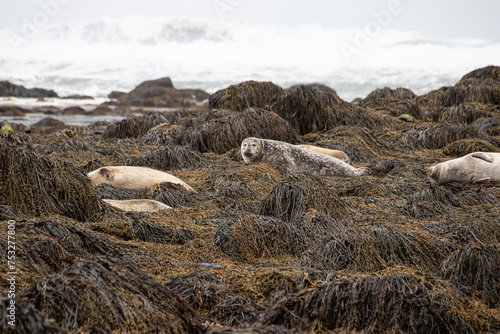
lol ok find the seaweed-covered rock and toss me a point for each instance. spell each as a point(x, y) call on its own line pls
point(463, 147)
point(107, 191)
point(112, 294)
point(163, 134)
point(481, 85)
point(298, 193)
point(135, 127)
point(394, 303)
point(168, 157)
point(309, 110)
point(246, 95)
point(349, 249)
point(151, 232)
point(252, 237)
point(466, 113)
point(174, 195)
point(221, 130)
point(386, 95)
point(25, 318)
point(476, 266)
point(256, 329)
point(319, 88)
point(35, 186)
point(437, 136)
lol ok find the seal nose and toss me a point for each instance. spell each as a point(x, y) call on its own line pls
point(247, 154)
point(430, 171)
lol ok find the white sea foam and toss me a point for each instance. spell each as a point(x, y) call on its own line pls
point(94, 58)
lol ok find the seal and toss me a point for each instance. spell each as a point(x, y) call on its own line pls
point(333, 153)
point(477, 167)
point(138, 205)
point(133, 178)
point(296, 159)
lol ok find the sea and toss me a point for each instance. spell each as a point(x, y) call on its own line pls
point(97, 57)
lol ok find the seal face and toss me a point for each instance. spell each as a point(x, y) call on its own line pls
point(138, 205)
point(478, 167)
point(296, 159)
point(133, 178)
point(250, 149)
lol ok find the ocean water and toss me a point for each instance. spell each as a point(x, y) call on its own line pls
point(94, 58)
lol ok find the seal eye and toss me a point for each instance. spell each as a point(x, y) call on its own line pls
point(253, 145)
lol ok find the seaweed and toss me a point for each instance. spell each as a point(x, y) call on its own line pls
point(309, 110)
point(168, 158)
point(394, 303)
point(476, 267)
point(298, 193)
point(221, 130)
point(35, 186)
point(115, 295)
point(245, 95)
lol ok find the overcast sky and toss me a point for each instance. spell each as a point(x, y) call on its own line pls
point(432, 18)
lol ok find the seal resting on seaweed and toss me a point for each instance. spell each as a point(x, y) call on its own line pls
point(133, 178)
point(296, 159)
point(333, 153)
point(477, 167)
point(137, 205)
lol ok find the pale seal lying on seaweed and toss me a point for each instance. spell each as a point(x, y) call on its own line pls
point(478, 167)
point(296, 159)
point(133, 178)
point(333, 153)
point(137, 205)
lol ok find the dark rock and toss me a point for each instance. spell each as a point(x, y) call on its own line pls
point(78, 97)
point(116, 94)
point(47, 125)
point(9, 89)
point(317, 87)
point(161, 93)
point(75, 110)
point(102, 110)
point(47, 110)
point(12, 111)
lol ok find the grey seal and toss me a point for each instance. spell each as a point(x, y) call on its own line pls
point(138, 205)
point(133, 178)
point(296, 159)
point(477, 167)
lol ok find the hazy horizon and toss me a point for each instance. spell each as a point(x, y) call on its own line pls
point(445, 19)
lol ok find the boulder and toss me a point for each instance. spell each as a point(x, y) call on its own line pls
point(12, 111)
point(10, 89)
point(161, 93)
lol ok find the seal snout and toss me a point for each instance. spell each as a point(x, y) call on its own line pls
point(430, 171)
point(248, 154)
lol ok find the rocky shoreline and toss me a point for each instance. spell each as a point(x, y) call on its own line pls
point(256, 249)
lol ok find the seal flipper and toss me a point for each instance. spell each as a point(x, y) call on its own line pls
point(483, 180)
point(483, 156)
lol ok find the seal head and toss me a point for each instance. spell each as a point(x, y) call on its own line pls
point(251, 149)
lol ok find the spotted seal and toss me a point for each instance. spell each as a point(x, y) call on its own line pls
point(477, 167)
point(296, 159)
